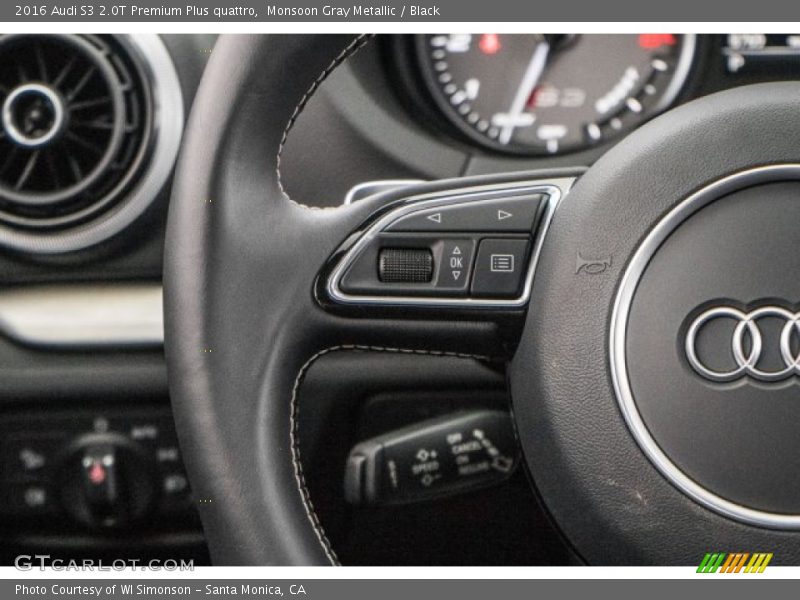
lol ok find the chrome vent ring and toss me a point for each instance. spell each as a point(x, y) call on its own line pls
point(86, 125)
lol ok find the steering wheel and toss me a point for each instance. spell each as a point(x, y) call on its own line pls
point(654, 385)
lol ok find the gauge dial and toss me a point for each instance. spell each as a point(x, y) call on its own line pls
point(547, 94)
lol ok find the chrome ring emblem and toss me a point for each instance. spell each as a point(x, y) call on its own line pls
point(747, 358)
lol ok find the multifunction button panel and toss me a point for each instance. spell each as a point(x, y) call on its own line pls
point(472, 247)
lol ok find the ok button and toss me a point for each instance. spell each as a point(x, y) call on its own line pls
point(455, 265)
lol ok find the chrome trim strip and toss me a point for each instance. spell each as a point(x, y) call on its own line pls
point(556, 188)
point(370, 188)
point(618, 359)
point(84, 316)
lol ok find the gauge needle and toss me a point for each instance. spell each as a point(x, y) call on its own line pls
point(532, 74)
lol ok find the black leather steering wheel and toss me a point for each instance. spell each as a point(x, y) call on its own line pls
point(244, 323)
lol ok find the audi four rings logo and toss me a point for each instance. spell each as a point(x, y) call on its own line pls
point(747, 355)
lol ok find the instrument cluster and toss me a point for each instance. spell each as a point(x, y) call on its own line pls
point(544, 94)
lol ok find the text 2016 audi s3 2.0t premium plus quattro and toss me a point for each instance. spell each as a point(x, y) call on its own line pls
point(419, 299)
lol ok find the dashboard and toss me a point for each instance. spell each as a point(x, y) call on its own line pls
point(90, 129)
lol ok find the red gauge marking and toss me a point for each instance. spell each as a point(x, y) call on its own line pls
point(531, 103)
point(651, 41)
point(489, 43)
point(97, 474)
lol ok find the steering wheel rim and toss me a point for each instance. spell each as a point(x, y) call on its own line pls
point(243, 324)
point(272, 522)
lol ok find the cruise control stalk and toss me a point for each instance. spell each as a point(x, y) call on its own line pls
point(440, 457)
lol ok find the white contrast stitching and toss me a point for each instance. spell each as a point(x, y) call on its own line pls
point(294, 425)
point(351, 49)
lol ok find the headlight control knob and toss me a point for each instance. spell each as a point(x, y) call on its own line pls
point(107, 481)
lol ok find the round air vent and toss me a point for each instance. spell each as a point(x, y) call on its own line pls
point(89, 131)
